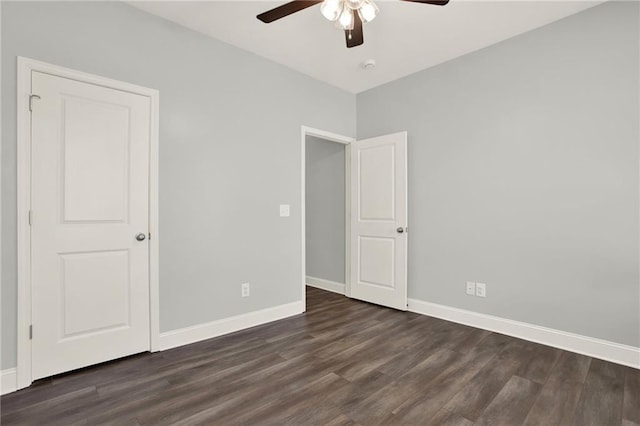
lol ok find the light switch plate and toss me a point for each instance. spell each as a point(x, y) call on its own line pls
point(285, 210)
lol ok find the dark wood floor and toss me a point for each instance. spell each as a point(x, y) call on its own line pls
point(343, 362)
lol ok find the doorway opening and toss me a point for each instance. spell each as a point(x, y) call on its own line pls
point(326, 199)
point(365, 207)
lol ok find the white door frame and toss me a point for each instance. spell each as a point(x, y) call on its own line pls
point(345, 140)
point(25, 67)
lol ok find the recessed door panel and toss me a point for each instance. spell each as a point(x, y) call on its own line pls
point(96, 292)
point(377, 261)
point(377, 183)
point(96, 160)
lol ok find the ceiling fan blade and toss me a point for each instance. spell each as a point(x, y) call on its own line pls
point(355, 37)
point(286, 10)
point(433, 2)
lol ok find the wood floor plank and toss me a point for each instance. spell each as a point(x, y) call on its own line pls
point(377, 408)
point(631, 405)
point(292, 401)
point(245, 398)
point(538, 367)
point(435, 393)
point(482, 388)
point(54, 410)
point(557, 402)
point(344, 362)
point(602, 398)
point(512, 404)
point(342, 420)
point(455, 421)
point(351, 396)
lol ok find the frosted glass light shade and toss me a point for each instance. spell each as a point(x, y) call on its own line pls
point(368, 11)
point(331, 9)
point(346, 19)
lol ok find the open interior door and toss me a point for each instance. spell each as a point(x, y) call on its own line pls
point(379, 220)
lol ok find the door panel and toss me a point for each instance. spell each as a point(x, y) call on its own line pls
point(377, 171)
point(379, 208)
point(96, 292)
point(90, 197)
point(98, 161)
point(377, 261)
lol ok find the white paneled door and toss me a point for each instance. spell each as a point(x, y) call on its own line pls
point(90, 219)
point(379, 220)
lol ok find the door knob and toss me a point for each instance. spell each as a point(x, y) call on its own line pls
point(400, 230)
point(140, 236)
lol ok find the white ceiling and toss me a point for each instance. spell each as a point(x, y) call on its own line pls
point(404, 38)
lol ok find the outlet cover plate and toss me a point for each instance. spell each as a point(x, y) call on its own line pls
point(245, 290)
point(481, 290)
point(471, 288)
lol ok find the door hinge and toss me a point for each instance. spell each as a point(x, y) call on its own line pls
point(29, 217)
point(31, 98)
point(149, 235)
point(31, 332)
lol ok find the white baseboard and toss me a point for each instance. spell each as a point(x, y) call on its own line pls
point(8, 380)
point(196, 333)
point(326, 285)
point(602, 349)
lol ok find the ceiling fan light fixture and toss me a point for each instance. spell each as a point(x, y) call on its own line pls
point(346, 19)
point(331, 9)
point(368, 11)
point(342, 12)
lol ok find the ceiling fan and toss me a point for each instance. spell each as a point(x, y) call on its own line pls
point(347, 14)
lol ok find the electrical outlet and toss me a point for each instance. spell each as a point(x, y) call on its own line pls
point(246, 290)
point(481, 290)
point(285, 210)
point(471, 288)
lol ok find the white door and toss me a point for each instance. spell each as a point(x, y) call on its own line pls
point(90, 197)
point(379, 220)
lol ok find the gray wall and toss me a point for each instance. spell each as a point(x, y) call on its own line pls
point(523, 174)
point(325, 209)
point(229, 152)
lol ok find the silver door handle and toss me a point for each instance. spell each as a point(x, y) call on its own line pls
point(400, 230)
point(140, 236)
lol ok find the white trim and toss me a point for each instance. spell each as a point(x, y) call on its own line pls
point(196, 333)
point(23, 368)
point(596, 348)
point(347, 220)
point(154, 225)
point(328, 285)
point(8, 381)
point(333, 137)
point(25, 68)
